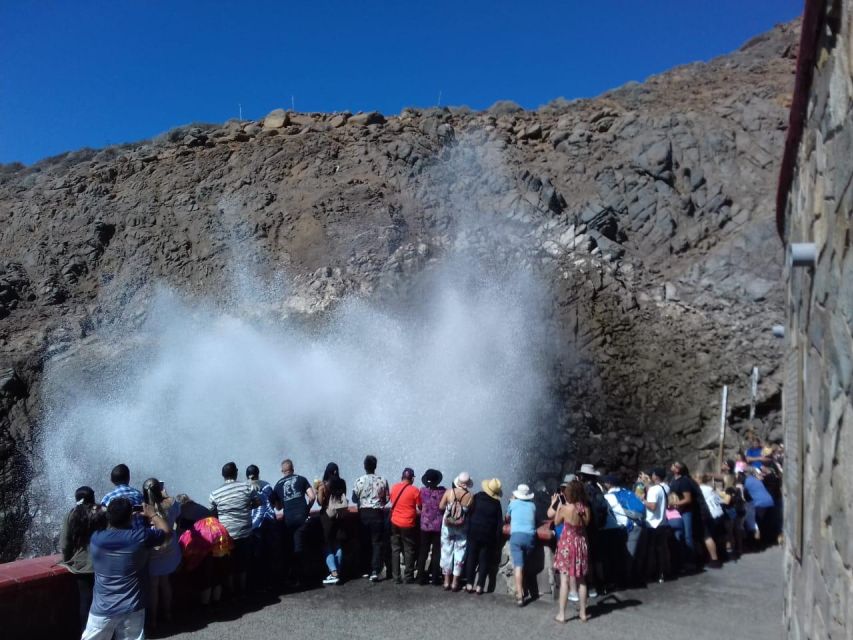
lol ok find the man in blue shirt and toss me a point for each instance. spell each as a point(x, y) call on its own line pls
point(763, 503)
point(120, 477)
point(120, 560)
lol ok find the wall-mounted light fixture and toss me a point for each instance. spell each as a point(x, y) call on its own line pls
point(778, 331)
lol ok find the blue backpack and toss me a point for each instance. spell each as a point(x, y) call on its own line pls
point(633, 507)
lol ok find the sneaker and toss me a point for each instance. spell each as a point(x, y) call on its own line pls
point(330, 579)
point(573, 596)
point(593, 593)
point(374, 577)
point(365, 575)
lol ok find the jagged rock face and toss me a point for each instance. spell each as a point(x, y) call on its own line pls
point(648, 209)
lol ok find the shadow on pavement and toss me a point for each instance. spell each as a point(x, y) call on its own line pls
point(611, 602)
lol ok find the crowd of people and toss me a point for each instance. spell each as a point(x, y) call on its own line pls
point(255, 536)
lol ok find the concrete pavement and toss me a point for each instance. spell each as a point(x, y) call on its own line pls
point(743, 599)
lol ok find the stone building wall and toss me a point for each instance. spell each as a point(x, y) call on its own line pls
point(818, 392)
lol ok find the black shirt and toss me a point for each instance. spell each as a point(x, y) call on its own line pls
point(685, 485)
point(291, 493)
point(485, 518)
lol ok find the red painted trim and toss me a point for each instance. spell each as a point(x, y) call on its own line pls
point(23, 574)
point(806, 59)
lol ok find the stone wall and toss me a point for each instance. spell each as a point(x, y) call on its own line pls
point(818, 393)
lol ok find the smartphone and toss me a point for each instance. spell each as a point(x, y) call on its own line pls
point(562, 499)
point(137, 508)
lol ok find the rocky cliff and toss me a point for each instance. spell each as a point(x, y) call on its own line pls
point(649, 210)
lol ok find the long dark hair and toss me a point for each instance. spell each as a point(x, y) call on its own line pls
point(333, 480)
point(84, 519)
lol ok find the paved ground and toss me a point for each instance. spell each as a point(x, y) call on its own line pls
point(741, 600)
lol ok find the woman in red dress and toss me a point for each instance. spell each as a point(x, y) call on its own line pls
point(570, 509)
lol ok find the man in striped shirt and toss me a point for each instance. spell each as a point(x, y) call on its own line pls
point(120, 477)
point(232, 503)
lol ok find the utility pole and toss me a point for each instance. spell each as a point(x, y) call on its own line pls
point(723, 415)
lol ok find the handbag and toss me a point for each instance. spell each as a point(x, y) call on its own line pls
point(336, 507)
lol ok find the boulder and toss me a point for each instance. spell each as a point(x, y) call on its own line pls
point(365, 118)
point(339, 119)
point(276, 119)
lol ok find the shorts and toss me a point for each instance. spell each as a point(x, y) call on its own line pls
point(520, 545)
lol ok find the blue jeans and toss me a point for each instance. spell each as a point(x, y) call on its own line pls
point(334, 560)
point(685, 537)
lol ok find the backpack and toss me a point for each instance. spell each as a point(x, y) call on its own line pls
point(454, 512)
point(633, 507)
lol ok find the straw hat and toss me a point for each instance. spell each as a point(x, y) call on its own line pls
point(492, 487)
point(588, 470)
point(523, 492)
point(463, 480)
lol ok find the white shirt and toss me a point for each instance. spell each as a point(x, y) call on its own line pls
point(655, 517)
point(715, 506)
point(620, 520)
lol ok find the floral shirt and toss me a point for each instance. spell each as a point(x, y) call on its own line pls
point(431, 516)
point(370, 492)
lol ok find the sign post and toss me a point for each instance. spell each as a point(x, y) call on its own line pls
point(723, 415)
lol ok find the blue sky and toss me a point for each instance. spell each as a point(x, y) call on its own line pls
point(77, 73)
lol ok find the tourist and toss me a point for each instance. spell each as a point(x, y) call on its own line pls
point(571, 560)
point(521, 514)
point(598, 538)
point(206, 548)
point(762, 503)
point(657, 526)
point(370, 495)
point(454, 530)
point(120, 561)
point(712, 515)
point(232, 504)
point(430, 538)
point(165, 558)
point(81, 522)
point(120, 477)
point(405, 500)
point(541, 500)
point(295, 497)
point(485, 524)
point(686, 497)
point(734, 510)
point(629, 513)
point(332, 498)
point(755, 454)
point(266, 545)
point(771, 478)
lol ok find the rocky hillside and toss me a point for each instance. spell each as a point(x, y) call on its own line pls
point(649, 210)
